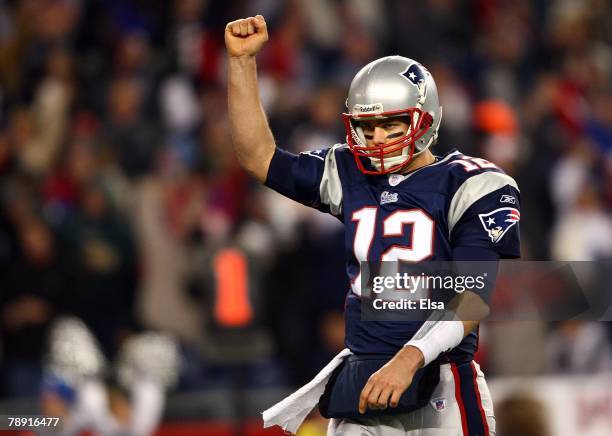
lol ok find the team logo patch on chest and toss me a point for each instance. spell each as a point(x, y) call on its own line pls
point(498, 222)
point(388, 197)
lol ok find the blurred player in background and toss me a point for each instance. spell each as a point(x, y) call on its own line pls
point(398, 202)
point(91, 394)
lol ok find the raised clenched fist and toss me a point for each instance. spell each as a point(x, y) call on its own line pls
point(245, 37)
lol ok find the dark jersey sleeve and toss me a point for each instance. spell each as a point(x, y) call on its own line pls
point(310, 178)
point(488, 215)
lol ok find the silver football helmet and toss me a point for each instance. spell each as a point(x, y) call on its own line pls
point(390, 87)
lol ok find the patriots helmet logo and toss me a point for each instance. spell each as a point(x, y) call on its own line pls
point(498, 222)
point(414, 74)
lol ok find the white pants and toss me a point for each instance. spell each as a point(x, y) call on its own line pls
point(460, 406)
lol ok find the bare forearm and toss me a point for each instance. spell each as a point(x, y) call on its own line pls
point(469, 327)
point(251, 136)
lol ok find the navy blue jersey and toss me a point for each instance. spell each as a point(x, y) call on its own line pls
point(457, 203)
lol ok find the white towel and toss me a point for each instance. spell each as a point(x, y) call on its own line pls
point(291, 412)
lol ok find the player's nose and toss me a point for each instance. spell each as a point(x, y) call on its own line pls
point(380, 135)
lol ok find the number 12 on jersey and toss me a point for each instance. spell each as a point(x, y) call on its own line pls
point(419, 241)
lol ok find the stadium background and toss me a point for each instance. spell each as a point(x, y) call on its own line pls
point(121, 202)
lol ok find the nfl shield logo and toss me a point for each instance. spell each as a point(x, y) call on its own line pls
point(498, 222)
point(439, 404)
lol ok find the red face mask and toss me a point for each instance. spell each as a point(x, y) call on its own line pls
point(419, 123)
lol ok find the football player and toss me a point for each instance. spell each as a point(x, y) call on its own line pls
point(398, 202)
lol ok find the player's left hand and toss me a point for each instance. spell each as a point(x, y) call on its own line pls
point(386, 386)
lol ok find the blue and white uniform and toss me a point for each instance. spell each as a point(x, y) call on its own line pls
point(458, 208)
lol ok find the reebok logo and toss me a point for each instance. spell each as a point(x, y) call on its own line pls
point(368, 108)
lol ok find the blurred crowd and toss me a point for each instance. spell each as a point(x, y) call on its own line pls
point(121, 201)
